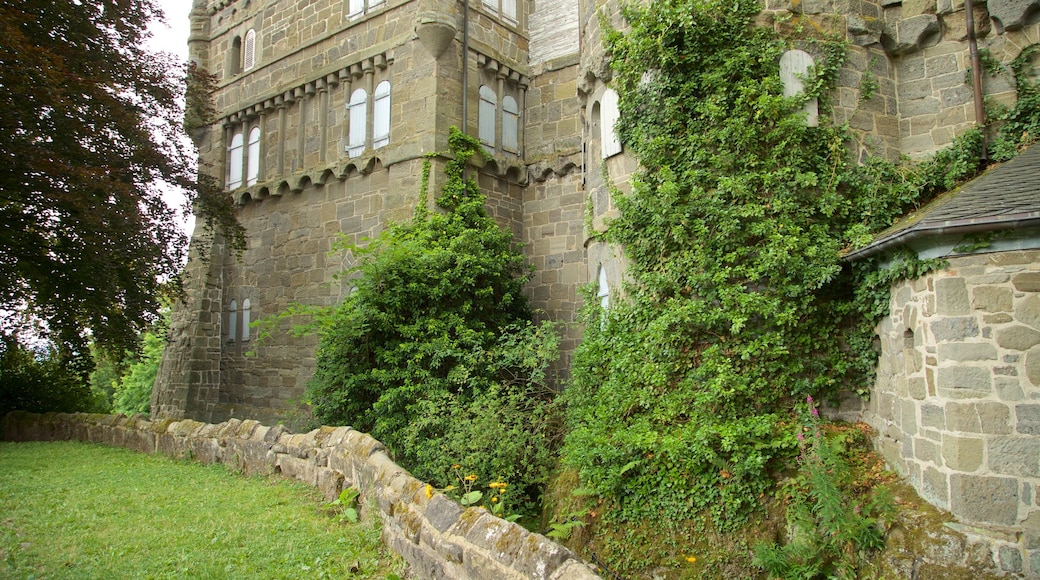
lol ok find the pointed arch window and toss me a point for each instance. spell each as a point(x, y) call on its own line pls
point(610, 144)
point(486, 116)
point(381, 115)
point(249, 50)
point(510, 125)
point(253, 157)
point(235, 161)
point(358, 118)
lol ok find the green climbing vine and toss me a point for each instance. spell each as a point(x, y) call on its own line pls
point(739, 305)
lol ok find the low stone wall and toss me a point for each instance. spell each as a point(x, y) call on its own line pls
point(436, 536)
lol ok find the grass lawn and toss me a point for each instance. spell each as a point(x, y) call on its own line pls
point(76, 510)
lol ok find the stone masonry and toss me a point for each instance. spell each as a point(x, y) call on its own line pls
point(957, 400)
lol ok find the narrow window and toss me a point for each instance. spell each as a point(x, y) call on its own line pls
point(381, 115)
point(357, 119)
point(233, 320)
point(234, 58)
point(249, 52)
point(603, 292)
point(611, 146)
point(794, 66)
point(510, 125)
point(235, 161)
point(245, 320)
point(355, 9)
point(253, 156)
point(509, 9)
point(486, 116)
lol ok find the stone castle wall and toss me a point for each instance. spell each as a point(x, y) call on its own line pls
point(957, 399)
point(435, 535)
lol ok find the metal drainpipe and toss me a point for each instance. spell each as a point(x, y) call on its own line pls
point(976, 72)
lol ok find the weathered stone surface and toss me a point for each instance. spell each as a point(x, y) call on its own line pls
point(1028, 419)
point(964, 382)
point(962, 453)
point(1010, 559)
point(983, 499)
point(1027, 311)
point(1026, 281)
point(951, 294)
point(1018, 456)
point(992, 298)
point(983, 417)
point(1018, 337)
point(1013, 15)
point(1032, 365)
point(967, 351)
point(912, 34)
point(954, 329)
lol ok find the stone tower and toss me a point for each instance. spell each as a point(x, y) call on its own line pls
point(326, 109)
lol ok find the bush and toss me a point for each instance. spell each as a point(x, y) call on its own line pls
point(433, 351)
point(42, 381)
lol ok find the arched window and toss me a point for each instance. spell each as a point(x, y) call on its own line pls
point(794, 66)
point(510, 125)
point(234, 57)
point(233, 320)
point(249, 51)
point(486, 116)
point(381, 115)
point(603, 291)
point(357, 115)
point(245, 319)
point(235, 161)
point(610, 145)
point(253, 156)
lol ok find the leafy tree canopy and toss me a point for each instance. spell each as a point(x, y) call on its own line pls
point(90, 122)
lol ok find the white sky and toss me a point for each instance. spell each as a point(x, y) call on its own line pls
point(173, 38)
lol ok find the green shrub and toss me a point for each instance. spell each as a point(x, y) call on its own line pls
point(433, 351)
point(132, 393)
point(43, 381)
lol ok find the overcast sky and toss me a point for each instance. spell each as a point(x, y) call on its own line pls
point(173, 38)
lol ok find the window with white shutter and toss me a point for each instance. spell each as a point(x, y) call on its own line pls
point(235, 161)
point(608, 118)
point(253, 156)
point(381, 115)
point(486, 116)
point(510, 125)
point(249, 50)
point(357, 115)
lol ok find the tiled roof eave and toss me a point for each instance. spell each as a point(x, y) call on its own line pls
point(946, 228)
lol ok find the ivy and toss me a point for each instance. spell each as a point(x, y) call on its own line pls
point(739, 305)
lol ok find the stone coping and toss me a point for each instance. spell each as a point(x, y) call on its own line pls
point(435, 535)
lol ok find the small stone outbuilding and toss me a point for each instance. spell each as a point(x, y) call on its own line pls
point(957, 399)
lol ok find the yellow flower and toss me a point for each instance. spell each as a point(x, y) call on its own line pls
point(471, 477)
point(691, 559)
point(429, 491)
point(494, 499)
point(456, 466)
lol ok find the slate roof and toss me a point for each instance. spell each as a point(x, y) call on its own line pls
point(1006, 196)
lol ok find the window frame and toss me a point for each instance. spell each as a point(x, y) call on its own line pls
point(236, 153)
point(381, 118)
point(357, 119)
point(253, 156)
point(487, 113)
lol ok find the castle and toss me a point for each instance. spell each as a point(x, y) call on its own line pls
point(326, 110)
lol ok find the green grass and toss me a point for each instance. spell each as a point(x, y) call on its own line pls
point(74, 510)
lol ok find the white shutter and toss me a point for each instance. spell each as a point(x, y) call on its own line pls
point(235, 162)
point(603, 292)
point(253, 156)
point(486, 116)
point(510, 125)
point(358, 118)
point(233, 321)
point(249, 59)
point(356, 9)
point(245, 319)
point(608, 116)
point(509, 9)
point(381, 115)
point(794, 65)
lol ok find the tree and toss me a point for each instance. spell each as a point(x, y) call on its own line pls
point(90, 123)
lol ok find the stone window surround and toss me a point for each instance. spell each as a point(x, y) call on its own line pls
point(343, 77)
point(504, 81)
point(238, 320)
